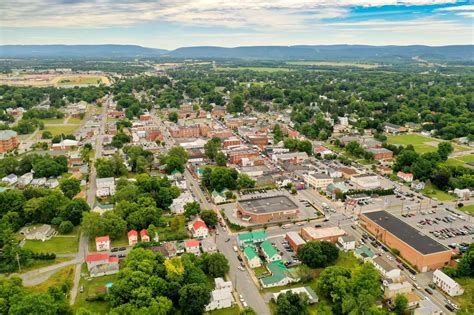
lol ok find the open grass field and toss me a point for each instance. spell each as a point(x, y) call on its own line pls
point(460, 160)
point(59, 244)
point(76, 121)
point(57, 130)
point(468, 209)
point(433, 192)
point(58, 278)
point(258, 69)
point(90, 288)
point(53, 121)
point(334, 64)
point(466, 300)
point(80, 80)
point(420, 143)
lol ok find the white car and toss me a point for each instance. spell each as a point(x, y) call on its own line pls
point(241, 298)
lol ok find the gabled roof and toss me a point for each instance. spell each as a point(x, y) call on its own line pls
point(250, 253)
point(191, 243)
point(279, 272)
point(132, 233)
point(143, 232)
point(268, 249)
point(199, 224)
point(102, 239)
point(97, 257)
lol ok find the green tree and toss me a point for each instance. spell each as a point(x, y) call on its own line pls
point(290, 303)
point(215, 265)
point(212, 147)
point(444, 150)
point(46, 135)
point(236, 104)
point(221, 159)
point(191, 209)
point(209, 217)
point(65, 227)
point(248, 311)
point(401, 304)
point(277, 133)
point(317, 254)
point(175, 159)
point(194, 298)
point(70, 187)
point(74, 210)
point(244, 181)
point(173, 116)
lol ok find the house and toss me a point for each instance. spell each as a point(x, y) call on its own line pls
point(346, 242)
point(102, 208)
point(168, 249)
point(391, 289)
point(65, 144)
point(144, 236)
point(51, 183)
point(25, 179)
point(252, 257)
point(38, 181)
point(407, 177)
point(269, 252)
point(192, 246)
point(221, 296)
point(178, 204)
point(322, 151)
point(41, 233)
point(251, 238)
point(334, 188)
point(199, 229)
point(446, 283)
point(102, 243)
point(381, 153)
point(417, 185)
point(105, 186)
point(208, 245)
point(394, 129)
point(312, 296)
point(10, 179)
point(465, 193)
point(132, 237)
point(386, 268)
point(280, 275)
point(102, 264)
point(218, 197)
point(364, 253)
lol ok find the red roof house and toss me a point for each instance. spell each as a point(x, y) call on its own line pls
point(102, 243)
point(199, 229)
point(144, 235)
point(132, 237)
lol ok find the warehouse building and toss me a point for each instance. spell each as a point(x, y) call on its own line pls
point(420, 250)
point(267, 209)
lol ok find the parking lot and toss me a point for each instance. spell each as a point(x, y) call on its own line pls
point(287, 253)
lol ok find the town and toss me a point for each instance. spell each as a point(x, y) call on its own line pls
point(203, 191)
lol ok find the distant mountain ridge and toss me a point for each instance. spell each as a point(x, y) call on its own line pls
point(297, 52)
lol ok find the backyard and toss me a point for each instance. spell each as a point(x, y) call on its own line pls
point(58, 244)
point(175, 228)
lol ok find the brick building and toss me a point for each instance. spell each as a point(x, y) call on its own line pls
point(420, 250)
point(231, 142)
point(267, 209)
point(330, 234)
point(8, 140)
point(259, 140)
point(235, 157)
point(381, 153)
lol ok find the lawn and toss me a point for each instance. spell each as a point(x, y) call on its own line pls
point(333, 64)
point(434, 192)
point(234, 310)
point(260, 271)
point(53, 121)
point(170, 233)
point(469, 209)
point(76, 121)
point(420, 143)
point(57, 130)
point(466, 301)
point(460, 160)
point(45, 263)
point(59, 244)
point(58, 278)
point(258, 69)
point(122, 241)
point(90, 287)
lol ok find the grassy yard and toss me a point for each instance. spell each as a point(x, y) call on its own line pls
point(466, 301)
point(433, 192)
point(420, 143)
point(57, 130)
point(90, 288)
point(169, 232)
point(58, 278)
point(260, 271)
point(460, 160)
point(258, 69)
point(53, 121)
point(59, 244)
point(234, 310)
point(76, 121)
point(469, 209)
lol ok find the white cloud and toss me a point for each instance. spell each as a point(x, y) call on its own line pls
point(468, 7)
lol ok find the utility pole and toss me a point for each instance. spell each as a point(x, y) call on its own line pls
point(18, 261)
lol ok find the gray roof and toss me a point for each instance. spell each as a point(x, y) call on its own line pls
point(406, 233)
point(268, 204)
point(384, 263)
point(7, 134)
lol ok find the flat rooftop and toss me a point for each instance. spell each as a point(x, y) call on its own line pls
point(406, 233)
point(268, 204)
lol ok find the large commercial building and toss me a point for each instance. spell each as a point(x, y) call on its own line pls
point(8, 140)
point(267, 209)
point(421, 251)
point(318, 181)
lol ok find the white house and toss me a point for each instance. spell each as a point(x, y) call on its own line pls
point(25, 179)
point(102, 264)
point(252, 257)
point(40, 233)
point(386, 268)
point(192, 246)
point(463, 193)
point(221, 296)
point(312, 296)
point(218, 197)
point(105, 186)
point(346, 242)
point(417, 185)
point(10, 179)
point(407, 177)
point(132, 237)
point(199, 229)
point(209, 246)
point(178, 204)
point(102, 243)
point(445, 283)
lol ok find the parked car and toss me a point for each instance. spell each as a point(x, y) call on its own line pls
point(429, 291)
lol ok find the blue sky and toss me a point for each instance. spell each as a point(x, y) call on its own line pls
point(178, 23)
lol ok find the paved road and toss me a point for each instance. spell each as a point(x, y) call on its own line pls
point(37, 276)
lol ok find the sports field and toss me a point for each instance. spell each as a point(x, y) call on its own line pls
point(333, 64)
point(80, 80)
point(258, 69)
point(420, 143)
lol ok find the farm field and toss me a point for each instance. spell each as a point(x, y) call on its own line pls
point(420, 143)
point(258, 69)
point(333, 64)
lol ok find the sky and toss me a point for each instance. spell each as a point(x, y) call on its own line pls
point(169, 24)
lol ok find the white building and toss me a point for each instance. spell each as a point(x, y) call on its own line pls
point(346, 242)
point(407, 177)
point(199, 229)
point(318, 181)
point(10, 179)
point(221, 296)
point(386, 268)
point(178, 204)
point(366, 182)
point(102, 243)
point(445, 283)
point(25, 179)
point(105, 186)
point(40, 233)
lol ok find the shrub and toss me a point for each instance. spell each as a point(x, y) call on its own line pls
point(65, 227)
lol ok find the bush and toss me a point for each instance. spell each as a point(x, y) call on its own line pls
point(395, 251)
point(65, 227)
point(57, 221)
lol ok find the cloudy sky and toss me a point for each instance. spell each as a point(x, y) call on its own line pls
point(177, 23)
